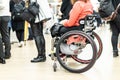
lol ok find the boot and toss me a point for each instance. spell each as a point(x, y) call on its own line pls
point(40, 43)
point(7, 55)
point(115, 53)
point(39, 59)
point(2, 60)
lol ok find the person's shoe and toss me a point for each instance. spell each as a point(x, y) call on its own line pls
point(7, 56)
point(39, 59)
point(2, 60)
point(115, 54)
point(30, 39)
point(21, 44)
point(37, 56)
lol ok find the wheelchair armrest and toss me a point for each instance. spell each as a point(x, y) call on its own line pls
point(90, 17)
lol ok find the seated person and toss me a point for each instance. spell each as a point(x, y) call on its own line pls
point(80, 9)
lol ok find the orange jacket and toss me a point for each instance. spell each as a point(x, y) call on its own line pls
point(79, 11)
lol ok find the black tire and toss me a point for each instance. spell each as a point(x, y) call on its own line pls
point(64, 64)
point(99, 48)
point(100, 44)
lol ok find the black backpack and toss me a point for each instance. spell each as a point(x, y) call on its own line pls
point(106, 8)
point(18, 9)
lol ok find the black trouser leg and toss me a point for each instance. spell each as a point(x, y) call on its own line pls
point(1, 47)
point(37, 29)
point(114, 25)
point(2, 60)
point(40, 43)
point(5, 33)
point(20, 35)
point(30, 33)
point(114, 40)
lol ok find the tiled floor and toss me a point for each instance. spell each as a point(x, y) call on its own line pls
point(19, 66)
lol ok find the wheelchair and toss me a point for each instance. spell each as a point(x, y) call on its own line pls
point(77, 50)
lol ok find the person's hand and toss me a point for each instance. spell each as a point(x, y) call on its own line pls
point(63, 21)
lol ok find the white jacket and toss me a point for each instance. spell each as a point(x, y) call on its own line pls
point(44, 9)
point(4, 8)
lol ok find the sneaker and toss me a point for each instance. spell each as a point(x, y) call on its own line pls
point(115, 54)
point(30, 39)
point(21, 44)
point(7, 55)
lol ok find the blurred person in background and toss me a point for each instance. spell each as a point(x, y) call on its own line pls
point(115, 28)
point(17, 24)
point(80, 9)
point(66, 6)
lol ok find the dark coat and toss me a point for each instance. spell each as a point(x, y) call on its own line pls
point(16, 25)
point(65, 8)
point(115, 24)
point(115, 3)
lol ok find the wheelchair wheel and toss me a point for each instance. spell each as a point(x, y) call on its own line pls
point(99, 48)
point(84, 48)
point(98, 43)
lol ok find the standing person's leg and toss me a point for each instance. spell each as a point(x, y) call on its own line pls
point(20, 37)
point(1, 51)
point(37, 29)
point(1, 47)
point(114, 39)
point(6, 36)
point(2, 60)
point(119, 41)
point(30, 37)
point(42, 40)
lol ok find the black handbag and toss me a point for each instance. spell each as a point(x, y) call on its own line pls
point(29, 14)
point(107, 11)
point(26, 15)
point(34, 8)
point(55, 29)
point(106, 8)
